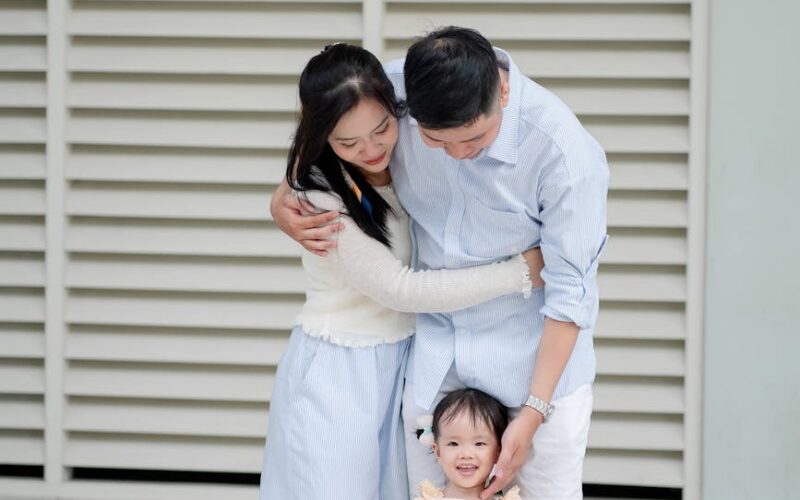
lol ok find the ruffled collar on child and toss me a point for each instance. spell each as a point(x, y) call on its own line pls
point(428, 491)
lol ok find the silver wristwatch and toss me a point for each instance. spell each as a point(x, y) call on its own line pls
point(546, 409)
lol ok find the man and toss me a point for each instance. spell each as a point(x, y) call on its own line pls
point(489, 163)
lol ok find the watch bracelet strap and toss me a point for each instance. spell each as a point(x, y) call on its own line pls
point(544, 408)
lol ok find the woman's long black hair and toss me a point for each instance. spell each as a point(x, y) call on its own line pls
point(333, 83)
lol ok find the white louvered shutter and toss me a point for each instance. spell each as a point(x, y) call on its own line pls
point(179, 292)
point(23, 101)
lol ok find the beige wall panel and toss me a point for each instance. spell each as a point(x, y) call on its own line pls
point(643, 283)
point(589, 60)
point(634, 468)
point(641, 320)
point(654, 172)
point(160, 452)
point(23, 54)
point(534, 2)
point(128, 490)
point(23, 133)
point(622, 97)
point(21, 233)
point(183, 92)
point(170, 164)
point(646, 358)
point(22, 198)
point(159, 417)
point(22, 90)
point(182, 273)
point(639, 135)
point(175, 55)
point(23, 17)
point(636, 432)
point(21, 270)
point(290, 20)
point(647, 209)
point(19, 340)
point(182, 310)
point(22, 126)
point(21, 376)
point(614, 393)
point(171, 128)
point(21, 305)
point(21, 412)
point(652, 246)
point(543, 22)
point(176, 345)
point(174, 237)
point(19, 447)
point(169, 381)
point(18, 161)
point(169, 201)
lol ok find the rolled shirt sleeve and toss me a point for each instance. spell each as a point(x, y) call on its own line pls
point(573, 209)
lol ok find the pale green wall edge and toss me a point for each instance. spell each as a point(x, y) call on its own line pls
point(751, 429)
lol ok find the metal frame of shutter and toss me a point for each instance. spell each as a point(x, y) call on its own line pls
point(165, 292)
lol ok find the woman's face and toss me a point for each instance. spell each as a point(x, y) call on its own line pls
point(365, 136)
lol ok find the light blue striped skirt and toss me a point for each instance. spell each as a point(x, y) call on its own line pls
point(334, 423)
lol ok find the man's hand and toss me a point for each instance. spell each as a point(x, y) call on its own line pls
point(299, 220)
point(516, 444)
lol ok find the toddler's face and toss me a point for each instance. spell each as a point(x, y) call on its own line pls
point(465, 451)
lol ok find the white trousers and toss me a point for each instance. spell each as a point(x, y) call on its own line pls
point(554, 467)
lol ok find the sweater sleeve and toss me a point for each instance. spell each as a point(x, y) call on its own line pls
point(369, 267)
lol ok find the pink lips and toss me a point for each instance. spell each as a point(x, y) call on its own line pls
point(376, 160)
point(467, 470)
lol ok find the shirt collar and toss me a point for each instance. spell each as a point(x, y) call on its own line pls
point(504, 146)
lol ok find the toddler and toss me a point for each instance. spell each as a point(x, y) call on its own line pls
point(466, 428)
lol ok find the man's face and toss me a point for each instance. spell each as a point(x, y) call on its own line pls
point(466, 141)
point(469, 140)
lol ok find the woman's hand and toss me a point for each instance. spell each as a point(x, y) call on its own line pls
point(533, 257)
point(298, 219)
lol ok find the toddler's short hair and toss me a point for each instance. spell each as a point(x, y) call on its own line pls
point(481, 407)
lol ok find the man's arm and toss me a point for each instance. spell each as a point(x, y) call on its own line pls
point(573, 202)
point(555, 348)
point(300, 221)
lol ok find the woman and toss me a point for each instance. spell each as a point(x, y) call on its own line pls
point(334, 429)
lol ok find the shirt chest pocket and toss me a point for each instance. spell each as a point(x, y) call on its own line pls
point(493, 234)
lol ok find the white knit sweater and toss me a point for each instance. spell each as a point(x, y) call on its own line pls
point(361, 294)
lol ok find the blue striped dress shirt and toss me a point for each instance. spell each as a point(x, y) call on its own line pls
point(543, 181)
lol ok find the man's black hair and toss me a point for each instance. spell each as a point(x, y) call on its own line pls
point(451, 78)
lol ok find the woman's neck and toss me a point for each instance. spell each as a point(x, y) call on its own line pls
point(378, 179)
point(453, 491)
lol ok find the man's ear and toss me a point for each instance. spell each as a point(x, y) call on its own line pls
point(505, 89)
